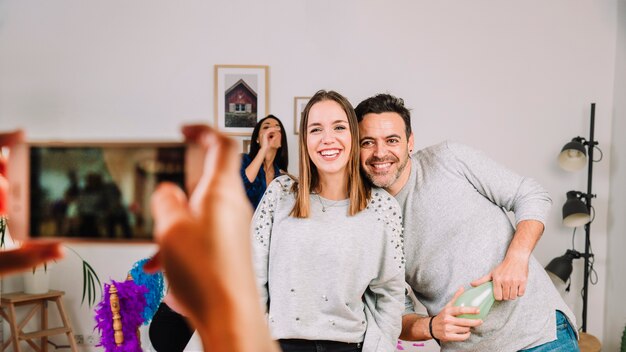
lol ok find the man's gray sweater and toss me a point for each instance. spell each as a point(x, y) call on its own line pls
point(457, 230)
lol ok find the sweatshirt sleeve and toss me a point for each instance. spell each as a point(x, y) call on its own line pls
point(261, 230)
point(385, 295)
point(522, 195)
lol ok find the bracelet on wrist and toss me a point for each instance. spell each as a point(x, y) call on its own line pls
point(430, 329)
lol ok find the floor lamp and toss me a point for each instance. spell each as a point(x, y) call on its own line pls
point(577, 209)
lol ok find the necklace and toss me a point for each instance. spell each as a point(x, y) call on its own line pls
point(324, 206)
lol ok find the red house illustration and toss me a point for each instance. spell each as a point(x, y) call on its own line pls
point(240, 99)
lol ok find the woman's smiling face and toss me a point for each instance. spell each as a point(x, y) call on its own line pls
point(329, 141)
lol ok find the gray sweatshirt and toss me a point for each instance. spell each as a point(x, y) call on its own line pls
point(330, 276)
point(457, 230)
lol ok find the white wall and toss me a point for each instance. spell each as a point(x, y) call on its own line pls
point(512, 78)
point(615, 309)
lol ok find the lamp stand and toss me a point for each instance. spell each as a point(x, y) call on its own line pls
point(591, 143)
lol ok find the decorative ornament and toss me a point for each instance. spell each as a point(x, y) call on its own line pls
point(119, 315)
point(154, 283)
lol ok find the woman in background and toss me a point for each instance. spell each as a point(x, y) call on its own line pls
point(268, 157)
point(327, 249)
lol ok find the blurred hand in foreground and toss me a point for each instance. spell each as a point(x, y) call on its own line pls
point(205, 251)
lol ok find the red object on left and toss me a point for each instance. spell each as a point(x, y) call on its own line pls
point(4, 187)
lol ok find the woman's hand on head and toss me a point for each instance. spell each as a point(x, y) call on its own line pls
point(264, 140)
point(271, 138)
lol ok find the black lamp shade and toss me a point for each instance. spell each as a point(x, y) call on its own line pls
point(562, 266)
point(575, 211)
point(573, 156)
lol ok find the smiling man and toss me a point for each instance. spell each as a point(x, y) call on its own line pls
point(457, 233)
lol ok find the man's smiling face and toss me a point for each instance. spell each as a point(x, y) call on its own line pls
point(385, 150)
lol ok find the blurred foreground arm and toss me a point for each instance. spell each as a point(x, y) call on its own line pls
point(7, 139)
point(205, 251)
point(28, 255)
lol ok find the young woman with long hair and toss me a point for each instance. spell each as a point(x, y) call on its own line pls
point(327, 249)
point(268, 157)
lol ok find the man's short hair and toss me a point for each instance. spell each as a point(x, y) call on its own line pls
point(385, 103)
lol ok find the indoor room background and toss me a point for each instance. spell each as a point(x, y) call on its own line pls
point(514, 79)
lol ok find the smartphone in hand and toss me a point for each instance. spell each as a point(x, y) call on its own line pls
point(92, 191)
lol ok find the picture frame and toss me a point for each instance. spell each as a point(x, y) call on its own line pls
point(241, 97)
point(299, 103)
point(244, 143)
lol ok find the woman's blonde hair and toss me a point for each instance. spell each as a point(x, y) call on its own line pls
point(358, 191)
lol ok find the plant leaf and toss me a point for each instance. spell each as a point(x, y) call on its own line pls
point(89, 281)
point(89, 284)
point(84, 282)
point(93, 291)
point(89, 290)
point(95, 276)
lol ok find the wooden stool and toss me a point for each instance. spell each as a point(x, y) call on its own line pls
point(40, 301)
point(589, 343)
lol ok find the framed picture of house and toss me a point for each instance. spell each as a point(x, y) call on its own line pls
point(241, 97)
point(299, 103)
